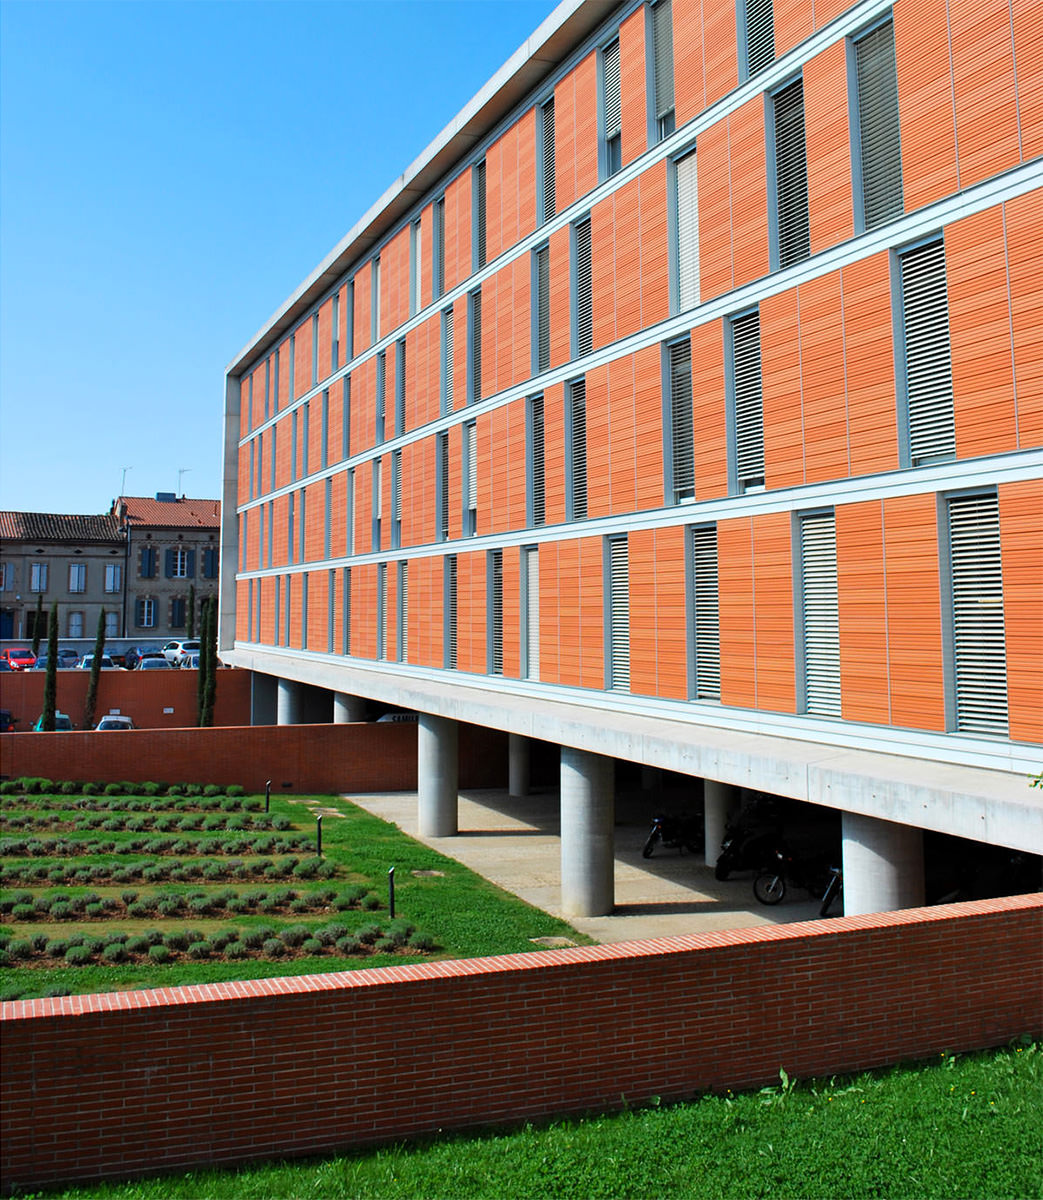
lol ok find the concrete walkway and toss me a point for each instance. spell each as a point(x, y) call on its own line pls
point(513, 841)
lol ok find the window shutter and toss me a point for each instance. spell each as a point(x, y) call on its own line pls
point(381, 393)
point(476, 346)
point(578, 430)
point(532, 615)
point(881, 151)
point(613, 102)
point(928, 368)
point(584, 290)
point(451, 613)
point(543, 308)
point(687, 232)
point(402, 649)
point(480, 212)
point(382, 610)
point(663, 55)
point(496, 639)
point(443, 486)
point(681, 420)
point(447, 361)
point(749, 416)
point(170, 564)
point(190, 569)
point(400, 387)
point(472, 476)
point(619, 615)
point(139, 613)
point(821, 621)
point(549, 186)
point(707, 613)
point(396, 486)
point(760, 35)
point(346, 610)
point(979, 643)
point(539, 506)
point(791, 174)
point(439, 247)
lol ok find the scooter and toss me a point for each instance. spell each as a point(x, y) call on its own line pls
point(822, 882)
point(681, 833)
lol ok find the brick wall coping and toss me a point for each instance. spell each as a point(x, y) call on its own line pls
point(285, 985)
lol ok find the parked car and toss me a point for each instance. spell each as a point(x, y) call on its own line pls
point(172, 651)
point(133, 656)
point(20, 658)
point(5, 665)
point(155, 664)
point(119, 657)
point(114, 721)
point(190, 662)
point(62, 723)
point(106, 663)
point(67, 657)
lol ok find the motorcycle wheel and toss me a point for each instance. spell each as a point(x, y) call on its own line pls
point(769, 887)
point(649, 846)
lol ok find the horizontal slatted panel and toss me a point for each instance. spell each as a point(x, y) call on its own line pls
point(578, 429)
point(613, 101)
point(818, 560)
point(549, 183)
point(682, 430)
point(687, 232)
point(663, 56)
point(439, 247)
point(584, 290)
point(451, 589)
point(447, 361)
point(346, 610)
point(791, 175)
point(543, 308)
point(749, 414)
point(928, 365)
point(539, 495)
point(472, 466)
point(707, 613)
point(403, 612)
point(396, 486)
point(382, 610)
point(977, 615)
point(381, 394)
point(496, 566)
point(881, 151)
point(619, 614)
point(443, 485)
point(532, 615)
point(480, 212)
point(760, 35)
point(476, 345)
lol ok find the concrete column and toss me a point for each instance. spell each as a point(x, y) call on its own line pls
point(347, 709)
point(518, 764)
point(287, 702)
point(437, 776)
point(587, 820)
point(883, 865)
point(717, 802)
point(262, 699)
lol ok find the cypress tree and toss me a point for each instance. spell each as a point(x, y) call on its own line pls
point(38, 624)
point(92, 684)
point(210, 687)
point(50, 683)
point(190, 626)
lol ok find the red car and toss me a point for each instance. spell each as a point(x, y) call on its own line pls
point(22, 659)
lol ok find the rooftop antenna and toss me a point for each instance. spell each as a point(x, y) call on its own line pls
point(181, 471)
point(123, 480)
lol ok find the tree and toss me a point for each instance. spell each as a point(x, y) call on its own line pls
point(50, 683)
point(190, 626)
point(38, 623)
point(92, 684)
point(206, 684)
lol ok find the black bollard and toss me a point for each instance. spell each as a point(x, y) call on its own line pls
point(391, 893)
point(318, 835)
point(267, 795)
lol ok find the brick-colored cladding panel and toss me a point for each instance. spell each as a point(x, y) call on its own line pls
point(230, 1072)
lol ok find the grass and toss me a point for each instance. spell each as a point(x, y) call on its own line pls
point(968, 1126)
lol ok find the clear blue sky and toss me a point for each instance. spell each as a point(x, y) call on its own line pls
point(169, 172)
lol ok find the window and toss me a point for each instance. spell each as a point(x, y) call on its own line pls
point(112, 624)
point(611, 112)
point(291, 525)
point(211, 562)
point(335, 331)
point(77, 577)
point(686, 200)
point(745, 413)
point(275, 386)
point(287, 608)
point(304, 610)
point(447, 361)
point(75, 625)
point(576, 451)
point(819, 618)
point(449, 590)
point(536, 468)
point(148, 562)
point(582, 282)
point(663, 68)
point(442, 486)
point(381, 394)
point(327, 523)
point(3, 577)
point(618, 615)
point(374, 312)
point(545, 163)
point(400, 387)
point(790, 226)
point(382, 608)
point(396, 499)
point(438, 248)
point(875, 139)
point(416, 255)
point(494, 607)
point(756, 36)
point(345, 617)
point(181, 563)
point(680, 457)
point(113, 577)
point(474, 357)
point(293, 445)
point(267, 386)
point(38, 577)
point(402, 640)
point(479, 215)
point(177, 612)
point(541, 310)
point(293, 367)
point(331, 607)
point(927, 429)
point(302, 527)
point(975, 592)
point(530, 626)
point(470, 519)
point(145, 612)
point(277, 608)
point(378, 501)
point(705, 631)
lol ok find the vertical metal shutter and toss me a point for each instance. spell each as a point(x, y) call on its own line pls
point(480, 212)
point(881, 151)
point(532, 615)
point(402, 649)
point(451, 612)
point(349, 531)
point(302, 526)
point(578, 429)
point(584, 290)
point(707, 613)
point(619, 615)
point(979, 644)
point(476, 345)
point(324, 448)
point(305, 435)
point(760, 35)
point(438, 238)
point(375, 310)
point(749, 415)
point(381, 393)
point(613, 101)
point(378, 488)
point(539, 506)
point(663, 57)
point(345, 427)
point(928, 369)
point(447, 361)
point(331, 607)
point(443, 486)
point(418, 265)
point(382, 610)
point(396, 486)
point(345, 633)
point(543, 308)
point(821, 620)
point(471, 482)
point(400, 386)
point(791, 174)
point(549, 184)
point(496, 639)
point(682, 430)
point(687, 232)
point(304, 611)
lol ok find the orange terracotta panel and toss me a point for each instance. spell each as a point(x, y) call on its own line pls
point(1021, 536)
point(773, 611)
point(720, 54)
point(749, 193)
point(361, 310)
point(689, 52)
point(781, 390)
point(827, 137)
point(737, 613)
point(622, 436)
point(560, 333)
point(576, 133)
point(632, 84)
point(599, 483)
point(457, 230)
point(709, 411)
point(824, 385)
point(715, 207)
point(592, 614)
point(554, 453)
point(1028, 57)
point(869, 364)
point(794, 21)
point(655, 273)
point(1024, 220)
point(648, 429)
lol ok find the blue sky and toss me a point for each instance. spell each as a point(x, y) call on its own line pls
point(169, 172)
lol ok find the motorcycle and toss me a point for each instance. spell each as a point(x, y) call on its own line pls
point(820, 880)
point(751, 840)
point(681, 833)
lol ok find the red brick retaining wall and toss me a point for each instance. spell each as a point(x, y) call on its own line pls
point(121, 1084)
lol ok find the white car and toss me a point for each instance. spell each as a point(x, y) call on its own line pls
point(156, 664)
point(115, 721)
point(106, 663)
point(173, 651)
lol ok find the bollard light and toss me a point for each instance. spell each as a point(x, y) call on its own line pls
point(318, 835)
point(391, 893)
point(267, 795)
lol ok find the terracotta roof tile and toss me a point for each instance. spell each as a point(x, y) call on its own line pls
point(182, 513)
point(58, 527)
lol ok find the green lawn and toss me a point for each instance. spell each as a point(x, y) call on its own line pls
point(969, 1126)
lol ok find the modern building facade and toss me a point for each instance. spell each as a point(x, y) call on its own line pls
point(682, 404)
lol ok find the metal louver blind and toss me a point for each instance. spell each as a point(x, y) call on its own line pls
point(451, 613)
point(532, 614)
point(613, 102)
point(584, 290)
point(472, 475)
point(979, 643)
point(400, 386)
point(345, 638)
point(439, 247)
point(543, 308)
point(496, 647)
point(476, 346)
point(382, 610)
point(447, 361)
point(378, 487)
point(443, 485)
point(619, 615)
point(928, 368)
point(881, 151)
point(480, 212)
point(578, 424)
point(549, 186)
point(707, 613)
point(749, 415)
point(663, 53)
point(687, 232)
point(381, 393)
point(791, 174)
point(682, 431)
point(539, 505)
point(402, 649)
point(760, 35)
point(396, 486)
point(418, 266)
point(821, 620)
